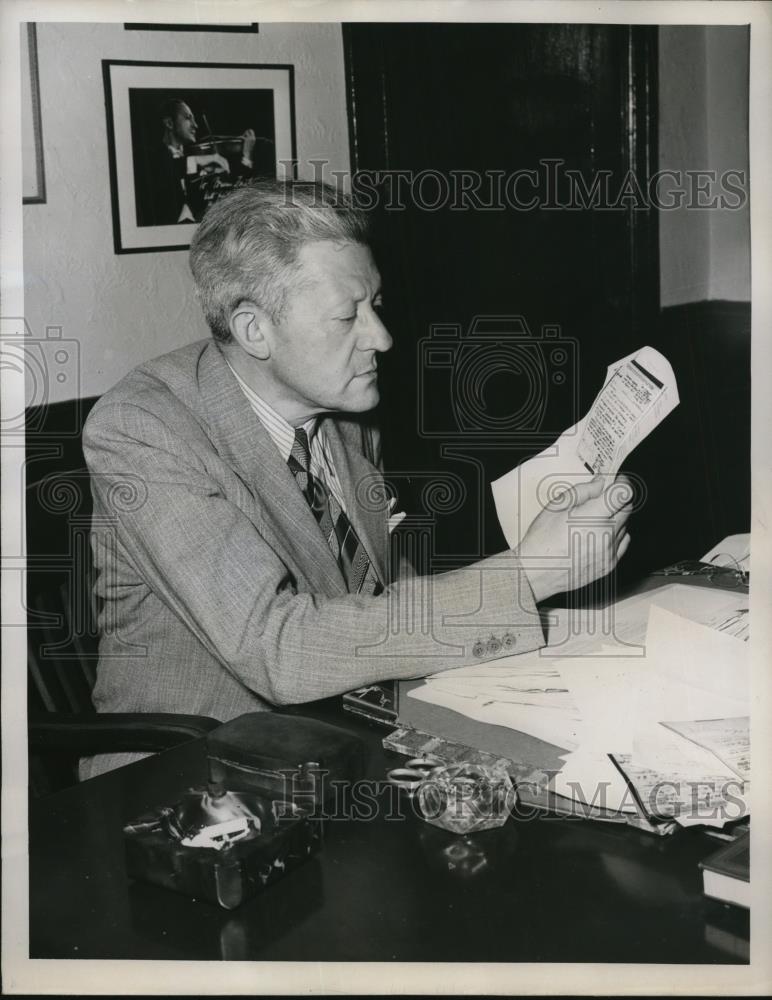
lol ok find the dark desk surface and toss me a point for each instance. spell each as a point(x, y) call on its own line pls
point(544, 890)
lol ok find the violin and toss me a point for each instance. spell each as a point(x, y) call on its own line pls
point(222, 145)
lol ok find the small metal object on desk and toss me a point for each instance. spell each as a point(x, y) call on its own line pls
point(405, 778)
point(425, 764)
point(415, 771)
point(732, 575)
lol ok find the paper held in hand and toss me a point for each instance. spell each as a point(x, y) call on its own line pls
point(639, 391)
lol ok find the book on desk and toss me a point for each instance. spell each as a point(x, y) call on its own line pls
point(726, 873)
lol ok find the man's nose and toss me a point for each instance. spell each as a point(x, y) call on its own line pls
point(375, 336)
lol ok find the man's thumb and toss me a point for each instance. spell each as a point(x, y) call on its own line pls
point(589, 490)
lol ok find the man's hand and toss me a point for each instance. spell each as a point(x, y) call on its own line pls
point(248, 141)
point(578, 538)
point(208, 163)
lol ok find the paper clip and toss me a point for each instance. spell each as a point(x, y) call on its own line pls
point(413, 773)
point(406, 778)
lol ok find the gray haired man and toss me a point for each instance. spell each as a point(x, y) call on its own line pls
point(249, 566)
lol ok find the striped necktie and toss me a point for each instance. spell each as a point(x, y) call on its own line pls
point(343, 540)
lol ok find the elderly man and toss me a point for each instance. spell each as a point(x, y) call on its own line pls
point(240, 535)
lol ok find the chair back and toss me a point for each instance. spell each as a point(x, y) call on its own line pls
point(62, 635)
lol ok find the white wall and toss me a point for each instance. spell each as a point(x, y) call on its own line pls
point(684, 235)
point(703, 104)
point(124, 309)
point(727, 86)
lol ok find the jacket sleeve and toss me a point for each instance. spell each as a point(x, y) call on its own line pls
point(204, 558)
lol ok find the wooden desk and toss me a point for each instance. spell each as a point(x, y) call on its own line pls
point(381, 889)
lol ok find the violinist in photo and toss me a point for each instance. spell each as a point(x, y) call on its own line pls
point(179, 175)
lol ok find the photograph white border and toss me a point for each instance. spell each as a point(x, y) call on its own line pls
point(21, 975)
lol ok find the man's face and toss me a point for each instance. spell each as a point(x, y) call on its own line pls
point(325, 345)
point(184, 125)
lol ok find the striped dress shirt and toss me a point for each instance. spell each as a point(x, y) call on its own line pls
point(283, 436)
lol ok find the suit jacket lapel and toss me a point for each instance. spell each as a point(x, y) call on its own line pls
point(362, 485)
point(248, 448)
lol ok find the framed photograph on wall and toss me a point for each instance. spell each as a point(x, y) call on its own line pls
point(33, 172)
point(180, 135)
point(252, 26)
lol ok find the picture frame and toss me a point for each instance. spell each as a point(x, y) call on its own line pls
point(150, 26)
point(33, 166)
point(164, 168)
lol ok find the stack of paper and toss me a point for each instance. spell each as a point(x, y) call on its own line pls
point(526, 693)
point(650, 703)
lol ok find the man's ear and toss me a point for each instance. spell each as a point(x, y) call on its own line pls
point(249, 324)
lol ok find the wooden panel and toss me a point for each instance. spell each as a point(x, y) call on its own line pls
point(502, 98)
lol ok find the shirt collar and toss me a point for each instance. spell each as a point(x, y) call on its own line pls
point(281, 432)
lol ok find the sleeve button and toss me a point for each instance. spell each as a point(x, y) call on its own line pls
point(509, 641)
point(494, 645)
point(478, 649)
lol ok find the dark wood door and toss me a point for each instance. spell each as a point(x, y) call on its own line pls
point(506, 297)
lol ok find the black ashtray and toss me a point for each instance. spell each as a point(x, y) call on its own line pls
point(219, 845)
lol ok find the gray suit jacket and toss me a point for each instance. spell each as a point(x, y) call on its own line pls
point(219, 594)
